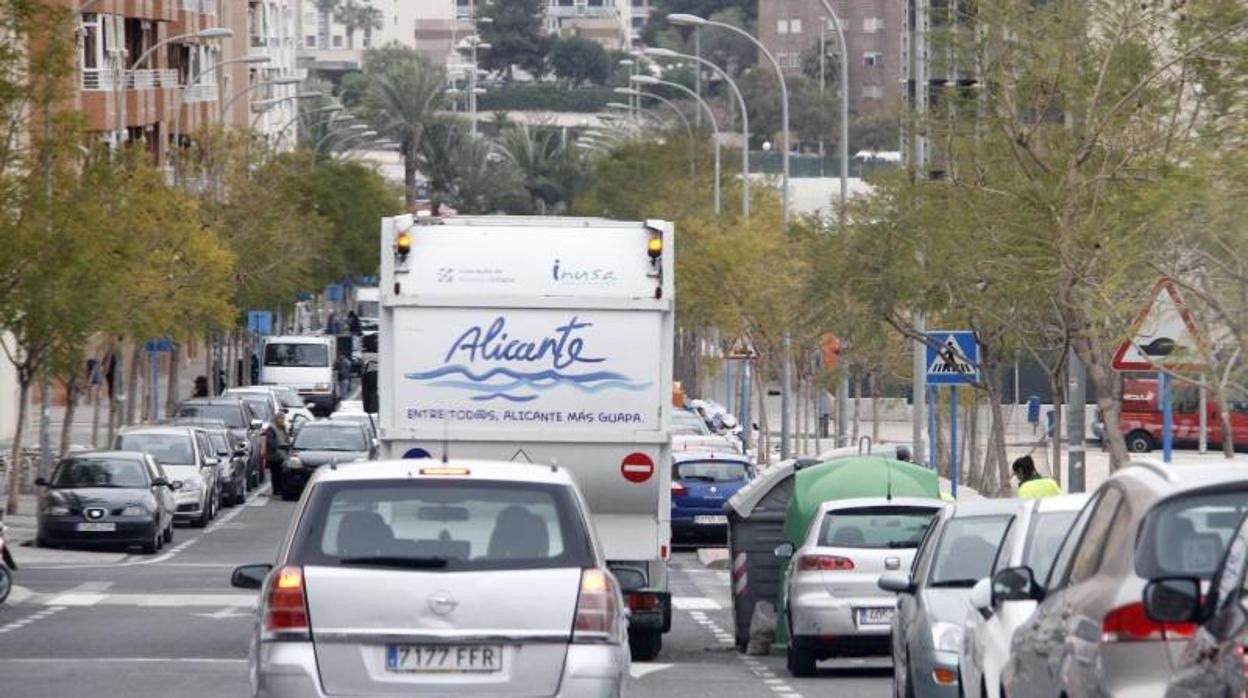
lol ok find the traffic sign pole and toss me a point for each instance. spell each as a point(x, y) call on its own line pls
point(953, 441)
point(932, 396)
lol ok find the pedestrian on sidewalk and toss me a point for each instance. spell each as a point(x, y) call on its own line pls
point(276, 450)
point(201, 387)
point(342, 367)
point(1031, 484)
point(354, 326)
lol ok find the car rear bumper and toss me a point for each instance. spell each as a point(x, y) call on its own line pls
point(289, 670)
point(687, 530)
point(188, 511)
point(818, 614)
point(64, 531)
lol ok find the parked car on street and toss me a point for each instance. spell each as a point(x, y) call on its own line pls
point(238, 417)
point(1091, 634)
point(433, 579)
point(835, 606)
point(278, 399)
point(927, 628)
point(185, 455)
point(297, 409)
point(702, 482)
point(106, 498)
point(365, 420)
point(1032, 539)
point(232, 465)
point(323, 443)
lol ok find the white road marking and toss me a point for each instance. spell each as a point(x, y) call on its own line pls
point(225, 613)
point(32, 618)
point(75, 599)
point(155, 600)
point(642, 669)
point(694, 603)
point(120, 660)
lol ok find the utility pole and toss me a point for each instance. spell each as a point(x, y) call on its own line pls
point(919, 67)
point(1077, 378)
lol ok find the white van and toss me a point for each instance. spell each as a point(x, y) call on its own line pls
point(305, 364)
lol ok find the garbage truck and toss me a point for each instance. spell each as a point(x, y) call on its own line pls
point(540, 340)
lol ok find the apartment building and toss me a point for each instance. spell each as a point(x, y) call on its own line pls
point(327, 44)
point(604, 21)
point(873, 28)
point(638, 12)
point(273, 35)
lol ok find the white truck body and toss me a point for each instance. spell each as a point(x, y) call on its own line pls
point(538, 339)
point(367, 302)
point(304, 363)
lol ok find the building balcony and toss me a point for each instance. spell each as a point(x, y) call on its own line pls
point(580, 11)
point(105, 79)
point(200, 93)
point(205, 7)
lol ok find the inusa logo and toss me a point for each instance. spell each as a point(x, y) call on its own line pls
point(560, 273)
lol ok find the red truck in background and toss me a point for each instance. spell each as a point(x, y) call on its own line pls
point(1141, 416)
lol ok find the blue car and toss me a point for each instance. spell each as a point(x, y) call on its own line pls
point(701, 483)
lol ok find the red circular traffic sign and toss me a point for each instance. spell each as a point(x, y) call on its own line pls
point(637, 467)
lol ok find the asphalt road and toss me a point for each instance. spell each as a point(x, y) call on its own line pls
point(114, 626)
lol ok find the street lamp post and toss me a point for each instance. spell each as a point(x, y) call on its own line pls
point(275, 82)
point(177, 110)
point(264, 105)
point(683, 119)
point(207, 34)
point(786, 388)
point(329, 109)
point(745, 118)
point(650, 80)
point(473, 44)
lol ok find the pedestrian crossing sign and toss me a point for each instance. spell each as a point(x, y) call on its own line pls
point(952, 358)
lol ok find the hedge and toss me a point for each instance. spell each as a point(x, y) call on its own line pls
point(546, 98)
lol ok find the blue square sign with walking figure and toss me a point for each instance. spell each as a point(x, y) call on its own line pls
point(952, 358)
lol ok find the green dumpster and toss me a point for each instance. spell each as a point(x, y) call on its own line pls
point(847, 478)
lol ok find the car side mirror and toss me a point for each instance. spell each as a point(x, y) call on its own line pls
point(211, 462)
point(256, 424)
point(250, 576)
point(42, 482)
point(1015, 584)
point(981, 597)
point(1173, 600)
point(160, 482)
point(897, 582)
point(784, 551)
point(175, 485)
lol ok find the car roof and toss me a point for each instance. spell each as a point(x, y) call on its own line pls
point(984, 507)
point(295, 339)
point(858, 502)
point(709, 454)
point(158, 429)
point(325, 424)
point(1178, 478)
point(224, 399)
point(1066, 502)
point(136, 455)
point(477, 470)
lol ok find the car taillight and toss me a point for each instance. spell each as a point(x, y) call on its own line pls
point(286, 607)
point(1131, 624)
point(597, 608)
point(679, 490)
point(825, 563)
point(643, 601)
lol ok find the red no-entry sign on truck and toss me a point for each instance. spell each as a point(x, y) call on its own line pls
point(637, 467)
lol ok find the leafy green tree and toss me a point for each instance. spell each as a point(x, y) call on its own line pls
point(579, 60)
point(550, 169)
point(404, 92)
point(517, 36)
point(731, 51)
point(812, 115)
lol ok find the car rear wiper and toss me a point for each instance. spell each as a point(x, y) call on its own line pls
point(420, 563)
point(698, 478)
point(903, 544)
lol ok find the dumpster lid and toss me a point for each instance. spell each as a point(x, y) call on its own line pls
point(748, 497)
point(847, 478)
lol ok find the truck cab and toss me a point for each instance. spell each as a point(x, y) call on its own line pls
point(305, 364)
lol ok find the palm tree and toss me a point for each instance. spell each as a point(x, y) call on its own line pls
point(400, 100)
point(370, 20)
point(550, 169)
point(467, 172)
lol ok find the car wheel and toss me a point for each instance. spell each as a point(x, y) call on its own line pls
point(800, 660)
point(169, 532)
point(1139, 442)
point(204, 513)
point(153, 545)
point(645, 645)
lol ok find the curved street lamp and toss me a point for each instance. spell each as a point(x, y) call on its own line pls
point(651, 80)
point(745, 117)
point(324, 139)
point(274, 82)
point(207, 34)
point(264, 105)
point(331, 109)
point(177, 110)
point(684, 119)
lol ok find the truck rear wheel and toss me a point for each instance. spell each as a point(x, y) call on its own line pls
point(645, 644)
point(1139, 442)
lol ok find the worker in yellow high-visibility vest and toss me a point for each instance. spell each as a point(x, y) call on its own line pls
point(1031, 484)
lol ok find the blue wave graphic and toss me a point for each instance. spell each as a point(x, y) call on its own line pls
point(517, 389)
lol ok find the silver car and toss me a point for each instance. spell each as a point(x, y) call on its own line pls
point(927, 628)
point(835, 606)
point(186, 455)
point(418, 578)
point(1090, 634)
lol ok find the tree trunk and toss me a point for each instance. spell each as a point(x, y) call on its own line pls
point(996, 481)
point(873, 388)
point(15, 460)
point(857, 385)
point(942, 439)
point(95, 415)
point(763, 454)
point(1224, 421)
point(172, 395)
point(72, 390)
point(409, 177)
point(1057, 385)
point(975, 472)
point(132, 382)
point(1089, 351)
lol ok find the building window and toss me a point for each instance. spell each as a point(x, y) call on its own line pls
point(782, 26)
point(789, 59)
point(873, 59)
point(638, 22)
point(871, 25)
point(639, 3)
point(872, 92)
point(795, 25)
point(338, 41)
point(311, 41)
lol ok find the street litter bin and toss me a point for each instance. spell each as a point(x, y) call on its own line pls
point(756, 526)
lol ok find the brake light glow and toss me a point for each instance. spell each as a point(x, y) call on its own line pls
point(643, 601)
point(679, 490)
point(445, 471)
point(597, 608)
point(1131, 624)
point(824, 563)
point(286, 607)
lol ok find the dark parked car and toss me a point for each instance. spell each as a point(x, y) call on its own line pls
point(107, 497)
point(323, 443)
point(243, 423)
point(701, 483)
point(1213, 661)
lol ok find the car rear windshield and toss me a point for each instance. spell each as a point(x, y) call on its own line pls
point(100, 472)
point(171, 449)
point(1186, 536)
point(711, 471)
point(296, 355)
point(1048, 530)
point(231, 415)
point(289, 398)
point(442, 525)
point(966, 550)
point(875, 527)
point(689, 423)
point(314, 437)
